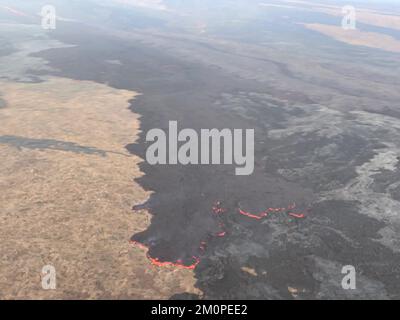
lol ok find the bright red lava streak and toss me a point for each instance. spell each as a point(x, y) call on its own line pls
point(253, 216)
point(158, 263)
point(217, 210)
point(178, 264)
point(271, 210)
point(297, 215)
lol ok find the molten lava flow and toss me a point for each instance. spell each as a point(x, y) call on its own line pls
point(217, 209)
point(253, 216)
point(158, 263)
point(297, 215)
point(178, 264)
point(272, 210)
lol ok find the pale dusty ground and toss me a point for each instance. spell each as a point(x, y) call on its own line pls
point(73, 210)
point(357, 37)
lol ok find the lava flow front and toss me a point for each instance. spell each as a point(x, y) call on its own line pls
point(217, 210)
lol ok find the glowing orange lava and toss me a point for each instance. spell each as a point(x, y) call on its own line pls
point(178, 264)
point(297, 215)
point(218, 210)
point(272, 210)
point(158, 263)
point(253, 216)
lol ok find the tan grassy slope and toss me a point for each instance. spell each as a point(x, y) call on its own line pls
point(380, 18)
point(359, 38)
point(377, 40)
point(66, 192)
